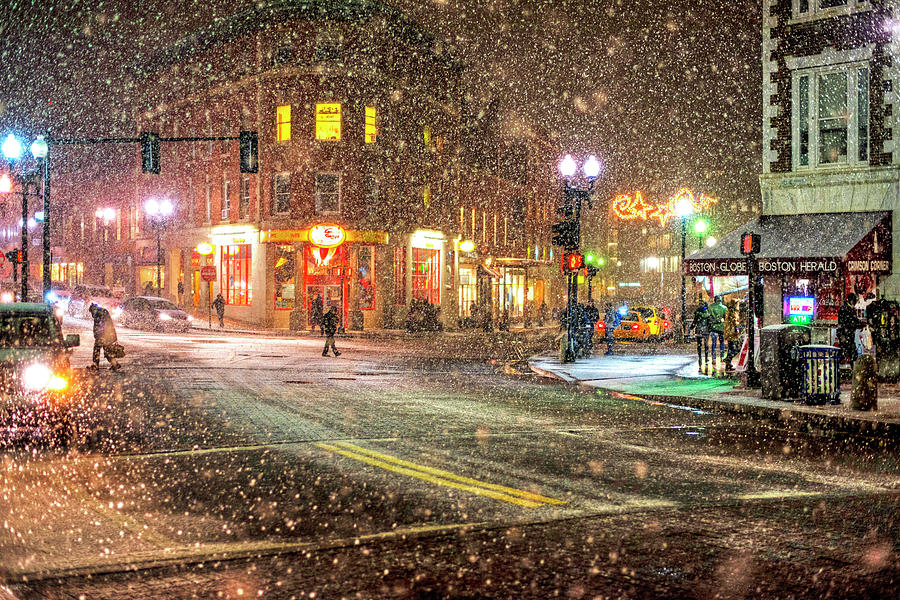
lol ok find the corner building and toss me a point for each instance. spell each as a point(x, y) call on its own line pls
point(357, 200)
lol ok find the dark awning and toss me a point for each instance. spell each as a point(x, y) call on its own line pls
point(803, 245)
point(489, 271)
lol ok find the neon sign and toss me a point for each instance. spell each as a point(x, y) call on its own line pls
point(628, 207)
point(326, 236)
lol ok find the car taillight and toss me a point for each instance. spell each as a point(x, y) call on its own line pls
point(635, 326)
point(666, 324)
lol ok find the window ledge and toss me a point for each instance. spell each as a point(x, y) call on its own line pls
point(830, 13)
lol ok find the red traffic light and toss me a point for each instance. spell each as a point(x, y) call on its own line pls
point(749, 243)
point(574, 261)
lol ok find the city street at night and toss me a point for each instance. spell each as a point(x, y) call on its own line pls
point(221, 464)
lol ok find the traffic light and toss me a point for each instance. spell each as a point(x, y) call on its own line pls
point(150, 153)
point(249, 141)
point(573, 261)
point(14, 256)
point(749, 243)
point(566, 234)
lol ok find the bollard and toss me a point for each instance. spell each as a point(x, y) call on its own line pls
point(865, 384)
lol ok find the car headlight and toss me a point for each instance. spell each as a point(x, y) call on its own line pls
point(190, 318)
point(37, 377)
point(6, 297)
point(165, 317)
point(60, 312)
point(116, 313)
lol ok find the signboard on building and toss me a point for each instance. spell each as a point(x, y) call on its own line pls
point(208, 273)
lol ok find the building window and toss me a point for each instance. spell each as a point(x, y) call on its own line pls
point(208, 202)
point(426, 196)
point(235, 270)
point(426, 136)
point(365, 274)
point(399, 275)
point(426, 275)
point(281, 193)
point(328, 122)
point(371, 127)
point(283, 123)
point(831, 117)
point(285, 271)
point(226, 202)
point(328, 45)
point(244, 205)
point(813, 7)
point(328, 193)
point(282, 54)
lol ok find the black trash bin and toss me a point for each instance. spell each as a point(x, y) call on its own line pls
point(780, 369)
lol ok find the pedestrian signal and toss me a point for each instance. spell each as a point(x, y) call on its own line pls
point(150, 153)
point(749, 243)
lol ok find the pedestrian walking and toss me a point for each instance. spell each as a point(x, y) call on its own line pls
point(589, 317)
point(848, 323)
point(330, 326)
point(700, 325)
point(219, 305)
point(542, 314)
point(315, 312)
point(180, 293)
point(148, 288)
point(732, 333)
point(717, 312)
point(611, 320)
point(104, 338)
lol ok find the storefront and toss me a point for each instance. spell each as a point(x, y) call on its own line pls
point(807, 265)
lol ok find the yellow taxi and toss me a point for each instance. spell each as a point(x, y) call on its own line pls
point(643, 323)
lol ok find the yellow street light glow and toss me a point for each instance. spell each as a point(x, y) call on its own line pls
point(466, 246)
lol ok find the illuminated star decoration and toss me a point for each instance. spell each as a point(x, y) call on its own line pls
point(628, 207)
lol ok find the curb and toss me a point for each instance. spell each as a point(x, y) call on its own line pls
point(810, 420)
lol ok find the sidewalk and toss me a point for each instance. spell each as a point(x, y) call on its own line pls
point(675, 379)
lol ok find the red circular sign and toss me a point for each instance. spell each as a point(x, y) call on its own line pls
point(208, 273)
point(326, 236)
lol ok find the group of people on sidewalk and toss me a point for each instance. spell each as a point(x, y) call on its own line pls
point(716, 327)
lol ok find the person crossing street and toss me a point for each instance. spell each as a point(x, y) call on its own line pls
point(330, 325)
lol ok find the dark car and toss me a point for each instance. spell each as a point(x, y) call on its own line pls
point(84, 295)
point(36, 380)
point(151, 312)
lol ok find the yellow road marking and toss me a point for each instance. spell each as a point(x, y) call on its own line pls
point(453, 476)
point(416, 471)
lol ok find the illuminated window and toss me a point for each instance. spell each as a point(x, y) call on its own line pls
point(328, 193)
point(426, 135)
point(830, 7)
point(426, 196)
point(328, 122)
point(371, 127)
point(365, 277)
point(283, 123)
point(226, 200)
point(426, 275)
point(235, 269)
point(244, 204)
point(399, 275)
point(285, 272)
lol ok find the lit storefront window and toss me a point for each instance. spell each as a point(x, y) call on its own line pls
point(426, 275)
point(68, 273)
point(235, 273)
point(466, 291)
point(365, 274)
point(328, 122)
point(285, 273)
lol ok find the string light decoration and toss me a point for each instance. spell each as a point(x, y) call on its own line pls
point(628, 207)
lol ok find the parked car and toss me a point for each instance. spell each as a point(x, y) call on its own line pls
point(658, 327)
point(632, 327)
point(151, 312)
point(84, 295)
point(37, 386)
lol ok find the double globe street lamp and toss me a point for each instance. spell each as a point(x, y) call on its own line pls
point(158, 211)
point(684, 208)
point(13, 150)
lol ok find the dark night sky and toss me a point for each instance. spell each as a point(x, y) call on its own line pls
point(666, 92)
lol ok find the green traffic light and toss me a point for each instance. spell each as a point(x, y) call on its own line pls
point(701, 225)
point(588, 258)
point(601, 261)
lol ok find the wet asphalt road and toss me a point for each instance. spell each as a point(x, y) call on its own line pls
point(230, 466)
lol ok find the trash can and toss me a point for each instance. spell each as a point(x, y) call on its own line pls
point(821, 374)
point(779, 367)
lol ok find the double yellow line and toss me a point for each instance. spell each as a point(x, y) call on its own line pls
point(439, 476)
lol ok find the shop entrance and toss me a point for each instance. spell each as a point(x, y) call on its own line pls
point(322, 280)
point(330, 296)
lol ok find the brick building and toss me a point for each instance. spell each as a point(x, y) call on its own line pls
point(362, 129)
point(830, 177)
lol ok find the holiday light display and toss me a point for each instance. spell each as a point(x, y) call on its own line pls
point(628, 207)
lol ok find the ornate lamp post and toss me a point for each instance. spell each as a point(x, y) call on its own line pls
point(683, 209)
point(158, 211)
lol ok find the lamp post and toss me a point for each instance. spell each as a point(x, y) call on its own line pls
point(158, 211)
point(575, 194)
point(12, 149)
point(683, 209)
point(700, 227)
point(106, 215)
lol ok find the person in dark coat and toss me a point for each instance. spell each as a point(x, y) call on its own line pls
point(330, 325)
point(219, 305)
point(611, 320)
point(589, 317)
point(700, 326)
point(104, 337)
point(315, 312)
point(848, 323)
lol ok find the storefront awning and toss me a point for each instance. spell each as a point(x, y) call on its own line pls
point(489, 271)
point(801, 245)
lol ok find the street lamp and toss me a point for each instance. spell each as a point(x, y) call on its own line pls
point(684, 208)
point(701, 226)
point(12, 149)
point(575, 195)
point(158, 211)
